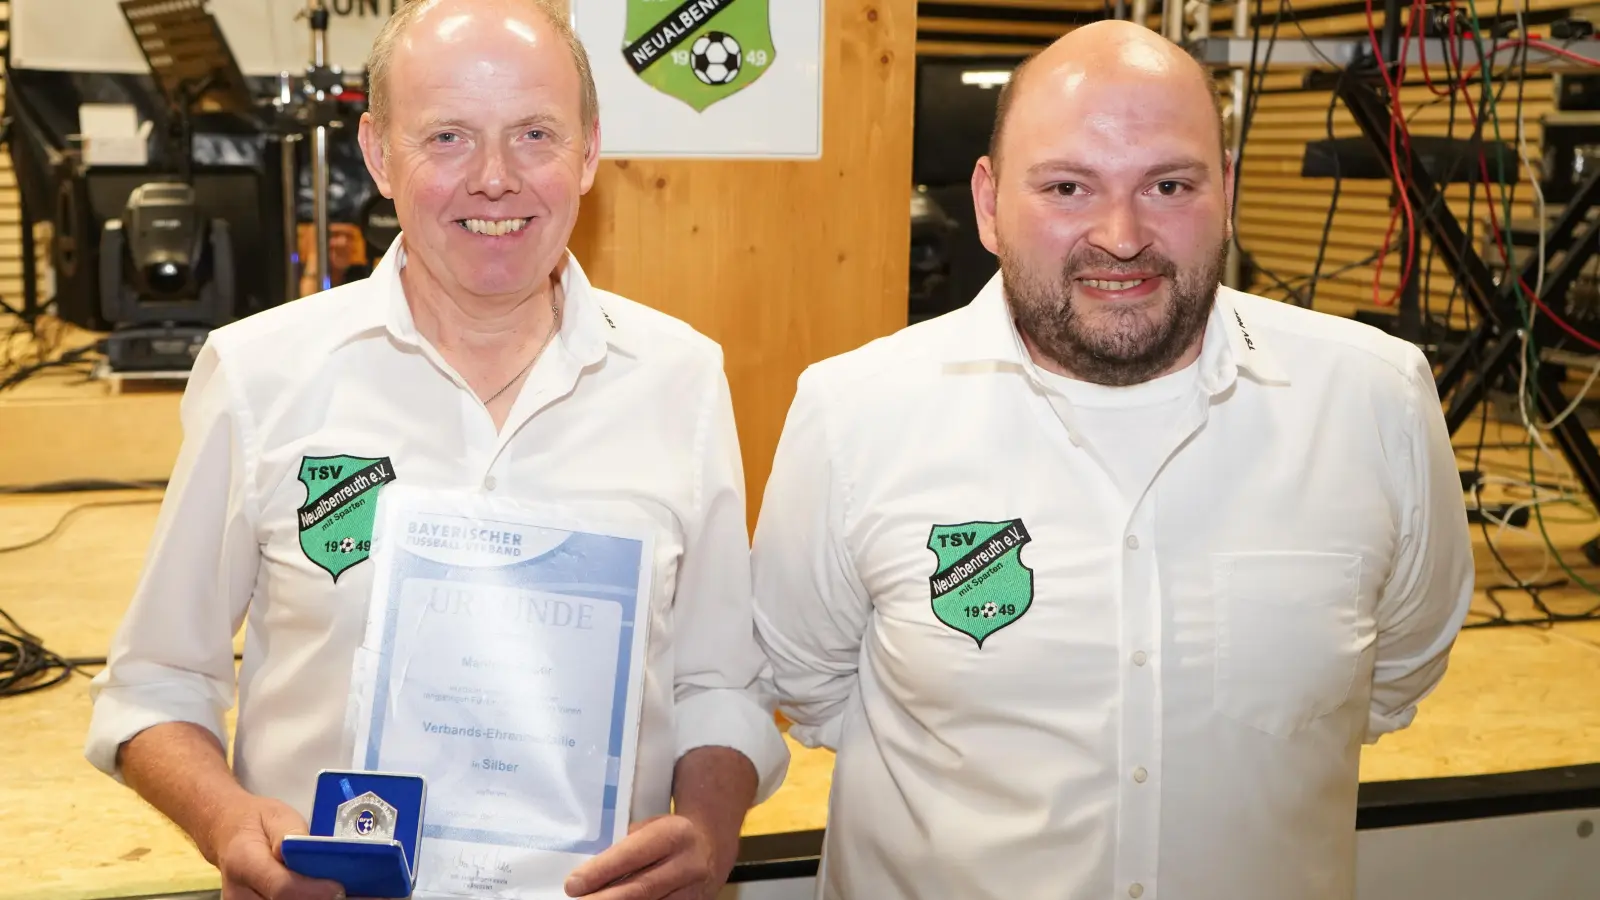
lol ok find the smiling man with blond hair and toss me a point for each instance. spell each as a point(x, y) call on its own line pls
point(478, 359)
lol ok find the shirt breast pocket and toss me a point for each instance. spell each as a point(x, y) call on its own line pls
point(1288, 636)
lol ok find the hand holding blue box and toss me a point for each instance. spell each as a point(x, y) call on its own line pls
point(366, 828)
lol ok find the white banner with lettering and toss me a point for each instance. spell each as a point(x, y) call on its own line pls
point(699, 78)
point(266, 36)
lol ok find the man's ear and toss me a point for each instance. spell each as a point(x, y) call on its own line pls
point(591, 158)
point(1227, 189)
point(373, 153)
point(984, 188)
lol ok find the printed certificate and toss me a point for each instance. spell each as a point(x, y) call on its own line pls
point(503, 661)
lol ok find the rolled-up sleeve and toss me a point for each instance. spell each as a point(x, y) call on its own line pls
point(811, 608)
point(171, 659)
point(718, 687)
point(1430, 587)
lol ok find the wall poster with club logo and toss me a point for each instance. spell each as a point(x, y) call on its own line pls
point(706, 78)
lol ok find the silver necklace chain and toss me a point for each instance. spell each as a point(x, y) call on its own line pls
point(555, 325)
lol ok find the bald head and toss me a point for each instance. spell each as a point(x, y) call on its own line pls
point(1107, 51)
point(513, 14)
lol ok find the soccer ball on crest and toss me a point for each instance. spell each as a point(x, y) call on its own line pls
point(715, 58)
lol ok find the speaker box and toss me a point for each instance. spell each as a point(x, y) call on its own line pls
point(971, 265)
point(75, 253)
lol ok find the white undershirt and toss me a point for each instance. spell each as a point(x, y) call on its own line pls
point(1128, 427)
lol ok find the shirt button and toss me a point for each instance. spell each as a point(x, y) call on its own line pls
point(1139, 657)
point(1136, 890)
point(1132, 542)
point(489, 482)
point(1140, 775)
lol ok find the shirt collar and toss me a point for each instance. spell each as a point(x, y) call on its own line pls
point(587, 329)
point(1248, 349)
point(991, 334)
point(1229, 346)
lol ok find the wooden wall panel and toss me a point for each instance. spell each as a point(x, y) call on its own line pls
point(784, 263)
point(997, 27)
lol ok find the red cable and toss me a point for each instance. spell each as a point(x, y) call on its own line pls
point(1405, 133)
point(1500, 241)
point(1383, 249)
point(1396, 122)
point(1560, 51)
point(1494, 218)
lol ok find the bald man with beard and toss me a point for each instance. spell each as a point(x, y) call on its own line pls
point(1098, 585)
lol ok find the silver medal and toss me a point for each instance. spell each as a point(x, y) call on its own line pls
point(365, 818)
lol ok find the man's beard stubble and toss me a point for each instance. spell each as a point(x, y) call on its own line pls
point(1129, 347)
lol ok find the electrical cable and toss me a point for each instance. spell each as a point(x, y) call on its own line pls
point(1399, 136)
point(1311, 43)
point(70, 358)
point(84, 485)
point(1426, 293)
point(1457, 80)
point(1486, 106)
point(1333, 201)
point(1248, 113)
point(1475, 146)
point(26, 665)
point(1255, 84)
point(1532, 305)
point(67, 516)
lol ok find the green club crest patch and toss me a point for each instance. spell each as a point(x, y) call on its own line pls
point(699, 51)
point(980, 584)
point(341, 508)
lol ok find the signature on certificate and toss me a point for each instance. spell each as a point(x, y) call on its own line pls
point(481, 863)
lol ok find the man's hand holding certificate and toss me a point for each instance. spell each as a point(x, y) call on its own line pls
point(668, 857)
point(503, 662)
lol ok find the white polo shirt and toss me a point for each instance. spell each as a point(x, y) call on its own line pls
point(1042, 685)
point(627, 414)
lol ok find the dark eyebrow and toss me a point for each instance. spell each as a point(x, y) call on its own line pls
point(1057, 167)
point(1177, 165)
point(1063, 168)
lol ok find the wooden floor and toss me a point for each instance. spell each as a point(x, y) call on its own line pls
point(1515, 698)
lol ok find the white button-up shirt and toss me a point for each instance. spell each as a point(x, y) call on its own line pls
point(1173, 682)
point(626, 414)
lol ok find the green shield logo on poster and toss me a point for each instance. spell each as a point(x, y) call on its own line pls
point(341, 508)
point(979, 583)
point(699, 51)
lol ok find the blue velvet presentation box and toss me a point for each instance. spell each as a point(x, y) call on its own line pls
point(366, 828)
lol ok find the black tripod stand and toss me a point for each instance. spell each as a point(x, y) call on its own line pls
point(1490, 351)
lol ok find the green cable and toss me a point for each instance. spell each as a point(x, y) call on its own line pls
point(1531, 359)
point(1539, 517)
